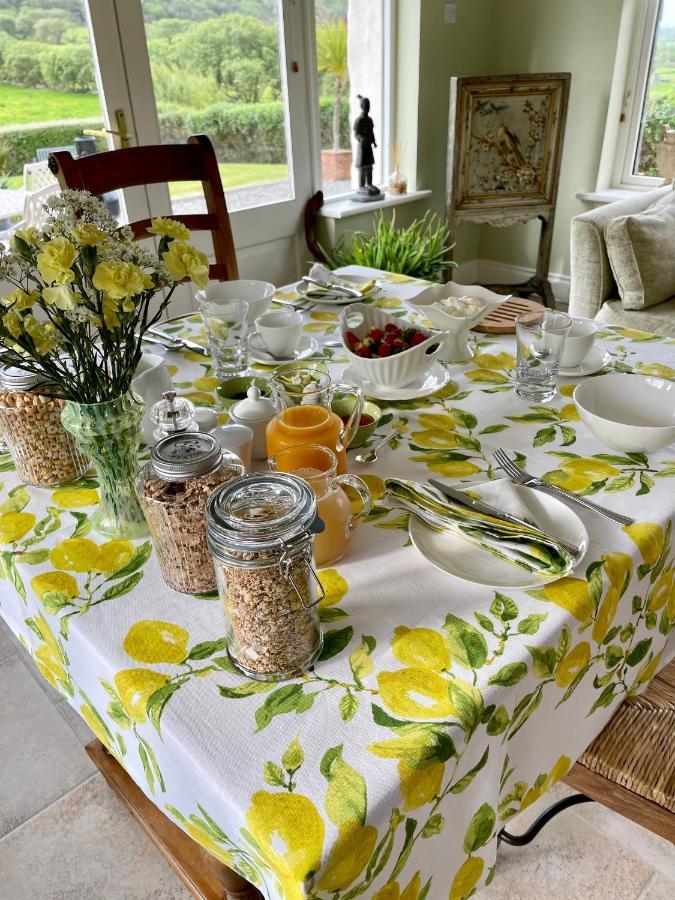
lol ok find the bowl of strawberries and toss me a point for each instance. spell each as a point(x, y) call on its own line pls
point(386, 350)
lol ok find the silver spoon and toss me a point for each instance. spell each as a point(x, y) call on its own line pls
point(371, 456)
point(335, 288)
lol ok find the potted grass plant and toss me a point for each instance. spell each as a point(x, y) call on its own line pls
point(85, 292)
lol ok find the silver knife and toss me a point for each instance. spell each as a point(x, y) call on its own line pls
point(186, 343)
point(480, 507)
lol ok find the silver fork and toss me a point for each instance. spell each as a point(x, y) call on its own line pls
point(520, 476)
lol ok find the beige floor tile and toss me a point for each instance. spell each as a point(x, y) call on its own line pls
point(85, 847)
point(659, 888)
point(569, 860)
point(77, 724)
point(41, 757)
point(6, 646)
point(34, 673)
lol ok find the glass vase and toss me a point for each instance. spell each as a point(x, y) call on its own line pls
point(110, 434)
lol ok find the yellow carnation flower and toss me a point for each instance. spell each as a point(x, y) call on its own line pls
point(169, 228)
point(185, 261)
point(119, 280)
point(43, 334)
point(55, 261)
point(30, 235)
point(60, 296)
point(13, 323)
point(110, 310)
point(88, 234)
point(19, 300)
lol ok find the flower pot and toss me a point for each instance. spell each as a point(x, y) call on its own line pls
point(336, 165)
point(110, 434)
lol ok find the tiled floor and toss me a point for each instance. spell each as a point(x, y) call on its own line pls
point(65, 836)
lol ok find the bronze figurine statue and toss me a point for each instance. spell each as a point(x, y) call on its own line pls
point(364, 132)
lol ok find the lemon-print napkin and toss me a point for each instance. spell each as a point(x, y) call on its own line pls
point(526, 547)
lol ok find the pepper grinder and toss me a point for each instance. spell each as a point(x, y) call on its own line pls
point(171, 415)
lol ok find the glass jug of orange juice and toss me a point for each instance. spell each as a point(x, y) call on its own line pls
point(303, 396)
point(318, 467)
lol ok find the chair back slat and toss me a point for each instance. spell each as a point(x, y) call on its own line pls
point(135, 166)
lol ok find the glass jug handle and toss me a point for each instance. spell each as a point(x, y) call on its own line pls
point(361, 488)
point(348, 432)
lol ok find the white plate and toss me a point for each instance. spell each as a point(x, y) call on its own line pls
point(596, 359)
point(339, 299)
point(307, 346)
point(454, 555)
point(436, 378)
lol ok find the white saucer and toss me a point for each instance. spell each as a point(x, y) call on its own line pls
point(307, 346)
point(454, 555)
point(436, 378)
point(596, 358)
point(329, 299)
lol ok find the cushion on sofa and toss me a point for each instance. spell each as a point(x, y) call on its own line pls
point(641, 250)
point(659, 319)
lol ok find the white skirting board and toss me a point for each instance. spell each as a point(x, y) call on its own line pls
point(489, 271)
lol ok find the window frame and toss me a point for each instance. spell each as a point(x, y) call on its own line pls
point(643, 29)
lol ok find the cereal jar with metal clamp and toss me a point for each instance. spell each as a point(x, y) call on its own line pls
point(260, 531)
point(43, 452)
point(172, 489)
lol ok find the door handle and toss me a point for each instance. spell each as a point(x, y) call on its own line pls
point(121, 132)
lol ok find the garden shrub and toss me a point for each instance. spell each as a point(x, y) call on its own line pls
point(67, 67)
point(21, 63)
point(21, 141)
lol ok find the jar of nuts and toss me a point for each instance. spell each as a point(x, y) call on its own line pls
point(30, 421)
point(173, 488)
point(260, 530)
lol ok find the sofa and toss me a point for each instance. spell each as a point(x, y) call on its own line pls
point(593, 290)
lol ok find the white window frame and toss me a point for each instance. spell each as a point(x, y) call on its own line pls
point(645, 19)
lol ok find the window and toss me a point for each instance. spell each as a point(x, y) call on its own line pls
point(352, 42)
point(649, 97)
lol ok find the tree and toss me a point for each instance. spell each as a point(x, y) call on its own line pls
point(331, 53)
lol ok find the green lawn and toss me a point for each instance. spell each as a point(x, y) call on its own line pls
point(22, 106)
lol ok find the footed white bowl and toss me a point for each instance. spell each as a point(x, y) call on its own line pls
point(457, 348)
point(630, 413)
point(389, 371)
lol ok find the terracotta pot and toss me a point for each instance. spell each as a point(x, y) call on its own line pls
point(336, 165)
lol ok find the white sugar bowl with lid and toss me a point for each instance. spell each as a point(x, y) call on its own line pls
point(254, 412)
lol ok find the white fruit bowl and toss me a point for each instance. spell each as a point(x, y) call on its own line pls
point(390, 371)
point(630, 413)
point(457, 347)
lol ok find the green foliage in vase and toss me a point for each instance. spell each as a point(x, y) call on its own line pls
point(421, 250)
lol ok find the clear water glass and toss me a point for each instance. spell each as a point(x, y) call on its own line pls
point(227, 333)
point(541, 337)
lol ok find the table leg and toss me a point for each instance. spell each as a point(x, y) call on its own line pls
point(206, 877)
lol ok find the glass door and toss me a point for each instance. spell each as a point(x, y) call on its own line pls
point(239, 77)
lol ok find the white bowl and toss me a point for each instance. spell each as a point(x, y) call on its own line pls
point(389, 371)
point(457, 347)
point(258, 295)
point(578, 342)
point(630, 413)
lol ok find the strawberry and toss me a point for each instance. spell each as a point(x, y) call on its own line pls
point(385, 350)
point(391, 327)
point(418, 338)
point(376, 334)
point(398, 343)
point(389, 337)
point(352, 338)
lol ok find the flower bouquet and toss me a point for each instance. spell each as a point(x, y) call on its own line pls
point(85, 292)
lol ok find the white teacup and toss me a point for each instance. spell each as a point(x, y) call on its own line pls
point(578, 343)
point(258, 295)
point(280, 332)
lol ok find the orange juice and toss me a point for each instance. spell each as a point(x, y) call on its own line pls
point(317, 465)
point(307, 424)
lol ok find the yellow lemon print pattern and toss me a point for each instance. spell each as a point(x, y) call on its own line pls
point(154, 641)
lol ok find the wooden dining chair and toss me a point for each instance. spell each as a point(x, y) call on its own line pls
point(155, 164)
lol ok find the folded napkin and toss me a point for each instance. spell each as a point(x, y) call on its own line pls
point(522, 545)
point(321, 273)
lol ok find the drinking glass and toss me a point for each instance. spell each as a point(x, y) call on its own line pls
point(540, 337)
point(226, 330)
point(317, 466)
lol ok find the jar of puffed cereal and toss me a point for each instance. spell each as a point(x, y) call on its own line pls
point(173, 488)
point(43, 452)
point(260, 530)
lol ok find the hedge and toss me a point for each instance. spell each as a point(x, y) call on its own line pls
point(21, 141)
point(251, 133)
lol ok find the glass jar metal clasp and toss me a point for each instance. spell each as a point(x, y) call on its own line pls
point(285, 563)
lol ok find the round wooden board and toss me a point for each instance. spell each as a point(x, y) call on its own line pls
point(503, 319)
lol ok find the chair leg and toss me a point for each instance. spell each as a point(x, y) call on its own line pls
point(519, 840)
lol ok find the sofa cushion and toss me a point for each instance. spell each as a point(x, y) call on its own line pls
point(641, 250)
point(658, 319)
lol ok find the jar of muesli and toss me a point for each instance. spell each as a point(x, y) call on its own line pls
point(172, 489)
point(260, 531)
point(43, 452)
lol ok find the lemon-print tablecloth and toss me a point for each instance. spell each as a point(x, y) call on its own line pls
point(438, 710)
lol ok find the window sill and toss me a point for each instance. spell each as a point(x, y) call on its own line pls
point(342, 208)
point(611, 195)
